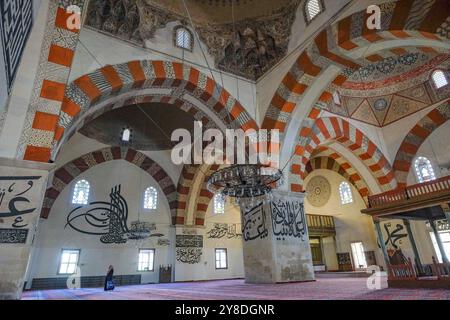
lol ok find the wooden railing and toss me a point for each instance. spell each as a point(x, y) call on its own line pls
point(320, 223)
point(410, 192)
point(402, 271)
point(441, 270)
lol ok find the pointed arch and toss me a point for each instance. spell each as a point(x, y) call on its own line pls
point(337, 129)
point(136, 82)
point(71, 170)
point(415, 138)
point(336, 163)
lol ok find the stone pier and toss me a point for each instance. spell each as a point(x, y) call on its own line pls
point(22, 188)
point(276, 243)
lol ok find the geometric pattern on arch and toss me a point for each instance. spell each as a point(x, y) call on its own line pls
point(67, 173)
point(329, 129)
point(135, 76)
point(402, 19)
point(416, 137)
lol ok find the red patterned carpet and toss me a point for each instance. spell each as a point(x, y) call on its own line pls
point(322, 289)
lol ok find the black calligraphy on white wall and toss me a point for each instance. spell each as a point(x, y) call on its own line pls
point(394, 236)
point(189, 255)
point(223, 230)
point(186, 241)
point(15, 200)
point(254, 223)
point(288, 219)
point(189, 248)
point(16, 19)
point(13, 235)
point(109, 220)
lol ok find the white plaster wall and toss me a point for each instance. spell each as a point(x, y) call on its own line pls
point(95, 256)
point(206, 270)
point(394, 133)
point(351, 224)
point(437, 149)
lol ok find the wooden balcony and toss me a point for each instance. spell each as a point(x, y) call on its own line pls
point(412, 198)
point(320, 225)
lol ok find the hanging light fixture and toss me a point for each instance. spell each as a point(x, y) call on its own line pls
point(240, 180)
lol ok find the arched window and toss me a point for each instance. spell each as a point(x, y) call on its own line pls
point(81, 192)
point(336, 98)
point(312, 9)
point(150, 198)
point(219, 204)
point(126, 135)
point(424, 169)
point(345, 192)
point(183, 38)
point(439, 79)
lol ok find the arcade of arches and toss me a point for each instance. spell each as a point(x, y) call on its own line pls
point(87, 112)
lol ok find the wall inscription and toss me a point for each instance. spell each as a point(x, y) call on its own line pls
point(109, 220)
point(223, 230)
point(254, 223)
point(13, 235)
point(189, 248)
point(288, 219)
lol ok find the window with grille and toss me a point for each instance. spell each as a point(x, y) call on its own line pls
point(150, 198)
point(183, 38)
point(345, 193)
point(81, 192)
point(219, 204)
point(424, 169)
point(312, 9)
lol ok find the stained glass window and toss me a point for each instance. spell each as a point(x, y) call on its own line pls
point(219, 204)
point(424, 169)
point(81, 192)
point(345, 192)
point(150, 198)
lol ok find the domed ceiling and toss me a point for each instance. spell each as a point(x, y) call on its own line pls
point(256, 40)
point(151, 124)
point(394, 85)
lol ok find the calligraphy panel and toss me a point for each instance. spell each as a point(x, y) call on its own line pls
point(13, 235)
point(189, 241)
point(288, 219)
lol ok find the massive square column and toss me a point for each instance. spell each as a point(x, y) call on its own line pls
point(276, 243)
point(22, 188)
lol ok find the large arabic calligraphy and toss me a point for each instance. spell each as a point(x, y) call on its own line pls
point(394, 236)
point(254, 223)
point(107, 219)
point(13, 195)
point(288, 219)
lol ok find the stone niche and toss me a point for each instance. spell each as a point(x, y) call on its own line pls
point(22, 188)
point(276, 242)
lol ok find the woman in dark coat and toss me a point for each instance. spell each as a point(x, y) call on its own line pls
point(109, 285)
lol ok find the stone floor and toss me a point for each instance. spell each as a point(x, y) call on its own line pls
point(343, 288)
